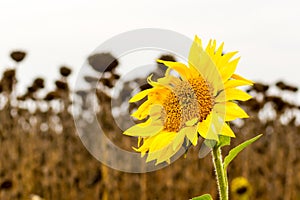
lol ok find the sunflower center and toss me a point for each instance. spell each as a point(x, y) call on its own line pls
point(188, 100)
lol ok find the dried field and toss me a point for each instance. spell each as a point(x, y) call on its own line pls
point(41, 153)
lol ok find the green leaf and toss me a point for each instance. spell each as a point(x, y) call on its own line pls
point(223, 141)
point(234, 152)
point(203, 197)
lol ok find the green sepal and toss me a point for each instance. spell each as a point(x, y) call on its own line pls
point(224, 141)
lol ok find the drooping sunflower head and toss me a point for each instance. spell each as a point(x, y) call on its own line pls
point(198, 102)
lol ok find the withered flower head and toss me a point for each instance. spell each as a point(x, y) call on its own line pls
point(52, 95)
point(283, 86)
point(107, 82)
point(32, 89)
point(280, 85)
point(9, 74)
point(115, 76)
point(8, 80)
point(145, 86)
point(167, 57)
point(253, 104)
point(65, 71)
point(39, 83)
point(61, 85)
point(259, 87)
point(103, 62)
point(18, 56)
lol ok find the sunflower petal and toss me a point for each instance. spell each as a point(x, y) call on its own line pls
point(205, 67)
point(169, 152)
point(191, 133)
point(143, 111)
point(181, 68)
point(238, 77)
point(207, 130)
point(162, 140)
point(218, 54)
point(155, 111)
point(158, 95)
point(140, 95)
point(231, 111)
point(198, 41)
point(228, 70)
point(178, 139)
point(237, 94)
point(152, 156)
point(152, 83)
point(160, 145)
point(226, 130)
point(145, 146)
point(211, 48)
point(194, 56)
point(168, 81)
point(236, 83)
point(226, 58)
point(146, 129)
point(220, 50)
point(234, 94)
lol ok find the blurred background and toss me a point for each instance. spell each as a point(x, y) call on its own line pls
point(44, 44)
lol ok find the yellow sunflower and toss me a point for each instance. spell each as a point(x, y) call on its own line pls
point(241, 188)
point(198, 101)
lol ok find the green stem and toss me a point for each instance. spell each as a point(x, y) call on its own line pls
point(220, 173)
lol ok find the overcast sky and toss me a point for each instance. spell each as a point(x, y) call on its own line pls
point(65, 32)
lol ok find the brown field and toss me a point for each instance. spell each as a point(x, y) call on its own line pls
point(41, 154)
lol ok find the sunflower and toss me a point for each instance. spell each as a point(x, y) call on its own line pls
point(197, 100)
point(241, 188)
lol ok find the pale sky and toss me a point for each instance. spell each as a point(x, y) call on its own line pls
point(55, 33)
